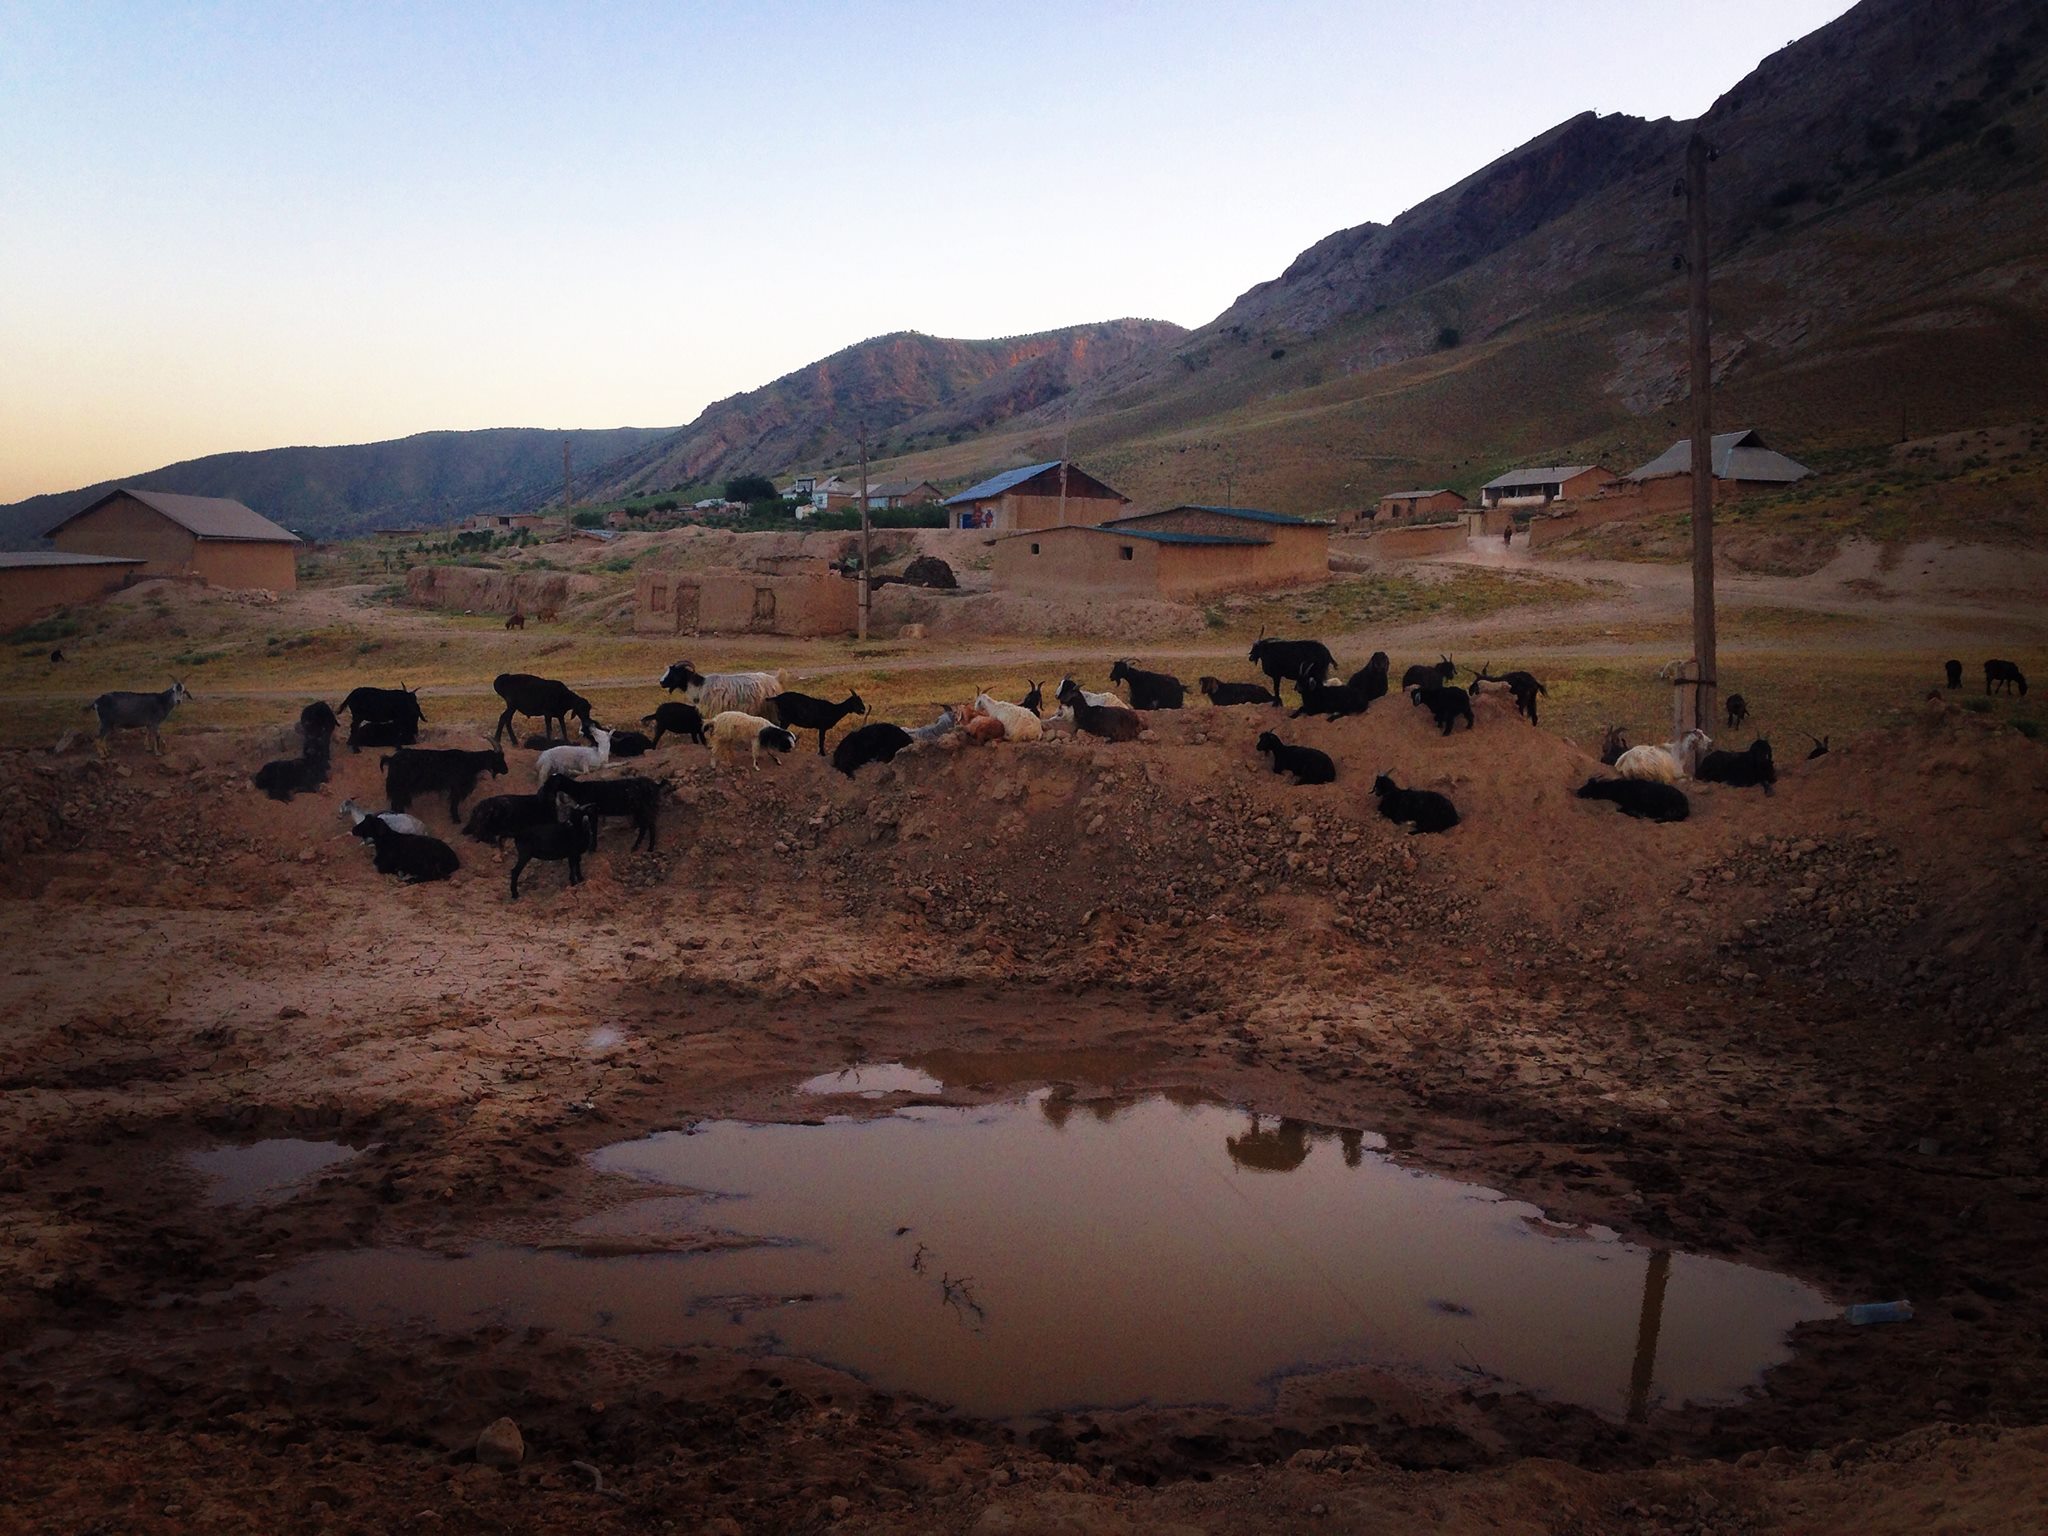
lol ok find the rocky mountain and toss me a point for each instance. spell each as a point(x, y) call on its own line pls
point(912, 391)
point(1879, 228)
point(432, 478)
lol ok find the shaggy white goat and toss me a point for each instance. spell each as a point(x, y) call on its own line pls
point(573, 760)
point(1667, 764)
point(714, 693)
point(1019, 723)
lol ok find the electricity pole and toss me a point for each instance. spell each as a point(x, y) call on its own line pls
point(1705, 655)
point(568, 484)
point(866, 545)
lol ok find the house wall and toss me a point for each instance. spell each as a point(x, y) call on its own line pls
point(29, 591)
point(1072, 561)
point(246, 563)
point(1416, 540)
point(1397, 507)
point(125, 527)
point(731, 602)
point(1188, 571)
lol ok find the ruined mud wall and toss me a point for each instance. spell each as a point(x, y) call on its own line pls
point(472, 590)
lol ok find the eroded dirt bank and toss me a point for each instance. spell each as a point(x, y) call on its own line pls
point(1803, 1031)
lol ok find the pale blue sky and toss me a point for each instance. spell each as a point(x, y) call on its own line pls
point(239, 226)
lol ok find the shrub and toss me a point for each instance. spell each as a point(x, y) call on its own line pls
point(589, 517)
point(1448, 337)
point(2031, 729)
point(58, 626)
point(750, 489)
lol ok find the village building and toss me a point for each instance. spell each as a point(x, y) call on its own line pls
point(1031, 497)
point(890, 494)
point(40, 581)
point(212, 538)
point(402, 533)
point(503, 522)
point(799, 595)
point(821, 493)
point(1743, 465)
point(1413, 506)
point(1177, 554)
point(1547, 483)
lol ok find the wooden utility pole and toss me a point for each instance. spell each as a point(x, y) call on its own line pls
point(568, 482)
point(1705, 650)
point(1656, 1275)
point(866, 543)
point(1066, 436)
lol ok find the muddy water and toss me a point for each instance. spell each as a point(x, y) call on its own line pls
point(1055, 1252)
point(264, 1172)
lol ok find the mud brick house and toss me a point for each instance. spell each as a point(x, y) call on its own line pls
point(1029, 497)
point(1743, 464)
point(1418, 506)
point(1546, 483)
point(217, 540)
point(1177, 554)
point(39, 581)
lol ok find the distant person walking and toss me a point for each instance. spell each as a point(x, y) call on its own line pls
point(1507, 536)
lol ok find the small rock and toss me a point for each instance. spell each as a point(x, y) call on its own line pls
point(500, 1445)
point(838, 1504)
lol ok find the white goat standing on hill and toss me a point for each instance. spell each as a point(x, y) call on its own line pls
point(572, 760)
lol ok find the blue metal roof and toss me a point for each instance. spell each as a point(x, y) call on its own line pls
point(1248, 514)
point(995, 485)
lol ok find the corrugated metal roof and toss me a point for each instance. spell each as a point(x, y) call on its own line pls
point(204, 517)
point(1246, 514)
point(1542, 475)
point(1736, 456)
point(13, 558)
point(995, 485)
point(1414, 495)
point(1154, 535)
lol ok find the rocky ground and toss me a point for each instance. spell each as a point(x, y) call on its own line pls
point(1803, 1030)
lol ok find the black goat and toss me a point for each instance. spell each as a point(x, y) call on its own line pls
point(876, 743)
point(317, 722)
point(2005, 673)
point(1419, 676)
point(1371, 679)
point(383, 704)
point(1738, 710)
point(381, 733)
point(1103, 720)
point(1645, 799)
point(802, 712)
point(1613, 744)
point(1330, 700)
point(1034, 698)
point(1446, 704)
point(1224, 695)
point(682, 719)
point(287, 776)
point(545, 699)
point(1149, 690)
point(1955, 673)
point(497, 817)
point(1306, 764)
point(1424, 810)
point(1287, 661)
point(1522, 685)
point(630, 744)
point(630, 798)
point(414, 771)
point(407, 854)
point(1751, 768)
point(554, 842)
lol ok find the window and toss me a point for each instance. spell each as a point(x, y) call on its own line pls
point(1125, 552)
point(1034, 549)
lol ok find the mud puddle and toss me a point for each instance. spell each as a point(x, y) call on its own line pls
point(938, 1071)
point(265, 1172)
point(1058, 1252)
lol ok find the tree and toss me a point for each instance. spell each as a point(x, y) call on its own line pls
point(1448, 337)
point(748, 489)
point(589, 518)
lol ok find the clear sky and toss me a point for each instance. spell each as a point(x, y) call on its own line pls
point(241, 226)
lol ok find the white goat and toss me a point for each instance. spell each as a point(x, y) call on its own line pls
point(1019, 723)
point(397, 821)
point(573, 760)
point(714, 693)
point(731, 729)
point(1667, 764)
point(1099, 700)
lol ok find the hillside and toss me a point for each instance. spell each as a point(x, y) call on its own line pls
point(432, 478)
point(1879, 223)
point(912, 391)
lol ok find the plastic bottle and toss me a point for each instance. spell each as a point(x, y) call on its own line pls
point(1880, 1312)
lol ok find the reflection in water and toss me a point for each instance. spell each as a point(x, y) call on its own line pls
point(264, 1172)
point(1016, 1257)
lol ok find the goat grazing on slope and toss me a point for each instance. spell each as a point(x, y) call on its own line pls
point(497, 817)
point(381, 704)
point(412, 771)
point(555, 842)
point(1522, 685)
point(1227, 695)
point(1287, 661)
point(628, 797)
point(801, 712)
point(714, 693)
point(1446, 704)
point(1149, 690)
point(1424, 810)
point(681, 719)
point(1419, 676)
point(144, 712)
point(1306, 764)
point(874, 743)
point(545, 699)
point(1644, 799)
point(2005, 674)
point(733, 729)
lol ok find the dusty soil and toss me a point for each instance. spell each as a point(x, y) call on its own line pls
point(1805, 1030)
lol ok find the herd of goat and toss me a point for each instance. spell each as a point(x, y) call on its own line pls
point(751, 713)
